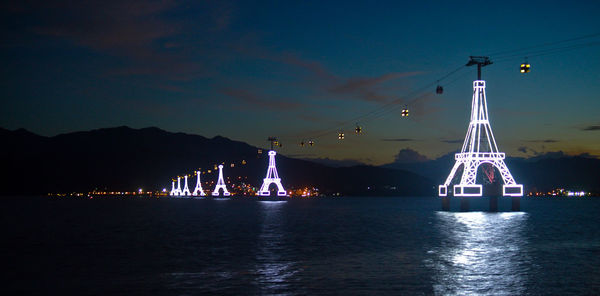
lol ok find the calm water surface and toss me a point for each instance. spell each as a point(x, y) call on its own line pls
point(384, 245)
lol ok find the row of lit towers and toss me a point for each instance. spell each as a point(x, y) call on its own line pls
point(271, 178)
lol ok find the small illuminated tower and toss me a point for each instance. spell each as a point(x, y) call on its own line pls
point(479, 147)
point(220, 184)
point(198, 190)
point(173, 192)
point(272, 177)
point(178, 190)
point(186, 190)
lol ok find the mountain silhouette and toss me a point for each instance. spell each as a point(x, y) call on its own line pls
point(541, 173)
point(124, 159)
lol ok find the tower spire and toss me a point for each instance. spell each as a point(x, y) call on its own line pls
point(480, 62)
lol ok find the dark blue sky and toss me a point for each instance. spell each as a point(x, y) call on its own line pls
point(246, 71)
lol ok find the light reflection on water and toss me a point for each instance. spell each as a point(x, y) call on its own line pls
point(274, 271)
point(358, 246)
point(480, 254)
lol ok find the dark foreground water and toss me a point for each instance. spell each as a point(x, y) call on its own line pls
point(401, 246)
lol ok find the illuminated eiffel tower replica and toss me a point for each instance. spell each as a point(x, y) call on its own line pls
point(272, 176)
point(198, 190)
point(172, 193)
point(176, 192)
point(186, 191)
point(479, 147)
point(220, 184)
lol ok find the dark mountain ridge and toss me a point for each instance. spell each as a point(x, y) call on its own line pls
point(540, 173)
point(125, 159)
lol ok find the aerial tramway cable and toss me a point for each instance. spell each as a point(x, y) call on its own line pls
point(415, 95)
point(499, 54)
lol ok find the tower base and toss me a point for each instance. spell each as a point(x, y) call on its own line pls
point(467, 190)
point(516, 203)
point(268, 193)
point(464, 204)
point(493, 204)
point(443, 190)
point(512, 190)
point(445, 203)
point(216, 193)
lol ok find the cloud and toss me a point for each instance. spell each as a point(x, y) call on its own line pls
point(522, 149)
point(312, 67)
point(324, 81)
point(544, 141)
point(120, 27)
point(452, 141)
point(398, 140)
point(362, 88)
point(367, 88)
point(408, 155)
point(529, 150)
point(336, 163)
point(591, 128)
point(140, 34)
point(258, 101)
point(305, 156)
point(561, 154)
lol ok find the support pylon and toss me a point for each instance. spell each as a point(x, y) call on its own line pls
point(272, 177)
point(479, 147)
point(198, 190)
point(220, 184)
point(186, 190)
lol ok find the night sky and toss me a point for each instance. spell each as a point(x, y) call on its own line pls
point(299, 69)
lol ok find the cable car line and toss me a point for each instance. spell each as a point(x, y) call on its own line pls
point(548, 51)
point(416, 95)
point(499, 54)
point(386, 108)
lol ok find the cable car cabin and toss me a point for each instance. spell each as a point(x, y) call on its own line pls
point(311, 143)
point(525, 67)
point(358, 130)
point(340, 135)
point(405, 112)
point(439, 90)
point(302, 144)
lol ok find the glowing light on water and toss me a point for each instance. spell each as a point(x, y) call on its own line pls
point(480, 253)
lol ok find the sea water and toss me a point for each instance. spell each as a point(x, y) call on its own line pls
point(348, 245)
